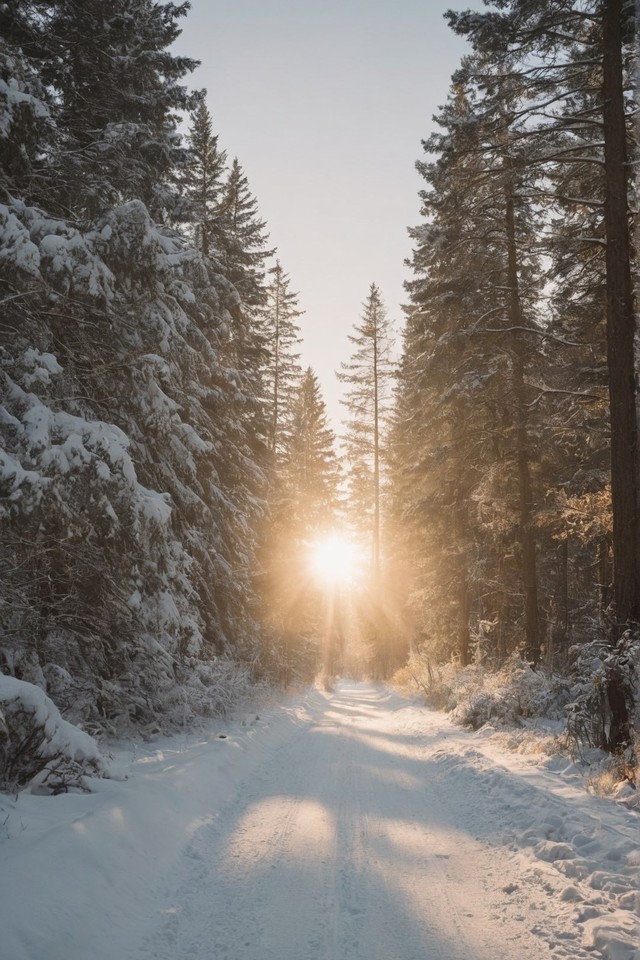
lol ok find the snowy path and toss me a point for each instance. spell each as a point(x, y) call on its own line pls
point(355, 842)
point(348, 826)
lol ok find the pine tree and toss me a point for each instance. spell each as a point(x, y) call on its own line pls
point(114, 94)
point(309, 469)
point(27, 130)
point(368, 376)
point(304, 508)
point(463, 413)
point(130, 480)
point(202, 179)
point(559, 54)
point(282, 375)
point(246, 247)
point(243, 255)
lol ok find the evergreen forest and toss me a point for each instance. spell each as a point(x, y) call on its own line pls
point(180, 520)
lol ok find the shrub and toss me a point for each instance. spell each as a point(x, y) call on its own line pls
point(38, 749)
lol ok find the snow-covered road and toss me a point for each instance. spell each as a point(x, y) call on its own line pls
point(348, 826)
point(357, 842)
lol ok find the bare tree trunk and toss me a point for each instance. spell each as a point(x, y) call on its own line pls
point(620, 359)
point(604, 575)
point(526, 536)
point(464, 636)
point(564, 590)
point(376, 462)
point(464, 599)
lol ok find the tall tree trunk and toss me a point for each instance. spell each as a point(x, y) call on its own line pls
point(378, 641)
point(276, 374)
point(564, 590)
point(461, 539)
point(501, 647)
point(376, 462)
point(526, 536)
point(620, 332)
point(621, 363)
point(464, 636)
point(604, 575)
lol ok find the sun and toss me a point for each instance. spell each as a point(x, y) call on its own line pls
point(334, 559)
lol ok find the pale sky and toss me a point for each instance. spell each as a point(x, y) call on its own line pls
point(325, 102)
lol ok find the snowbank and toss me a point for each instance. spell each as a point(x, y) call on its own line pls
point(78, 871)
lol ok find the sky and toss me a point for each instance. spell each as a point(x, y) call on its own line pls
point(325, 103)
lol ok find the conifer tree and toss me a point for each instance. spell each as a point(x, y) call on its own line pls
point(560, 53)
point(368, 375)
point(309, 470)
point(243, 255)
point(115, 95)
point(477, 345)
point(282, 374)
point(246, 239)
point(202, 178)
point(304, 508)
point(129, 476)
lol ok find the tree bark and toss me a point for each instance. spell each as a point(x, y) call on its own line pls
point(464, 636)
point(621, 363)
point(620, 333)
point(526, 536)
point(604, 575)
point(461, 537)
point(376, 459)
point(564, 590)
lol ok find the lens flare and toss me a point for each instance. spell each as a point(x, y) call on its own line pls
point(334, 559)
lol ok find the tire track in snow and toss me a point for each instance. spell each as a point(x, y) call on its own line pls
point(345, 847)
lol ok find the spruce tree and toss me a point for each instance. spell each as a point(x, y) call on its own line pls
point(246, 239)
point(368, 374)
point(130, 479)
point(202, 179)
point(560, 53)
point(282, 373)
point(243, 256)
point(309, 469)
point(115, 96)
point(471, 345)
point(304, 509)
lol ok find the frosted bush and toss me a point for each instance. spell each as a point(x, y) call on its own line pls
point(38, 749)
point(443, 686)
point(475, 696)
point(513, 694)
point(201, 690)
point(588, 711)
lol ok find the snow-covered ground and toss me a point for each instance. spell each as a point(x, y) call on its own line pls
point(347, 826)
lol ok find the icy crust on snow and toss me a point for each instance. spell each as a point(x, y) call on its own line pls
point(57, 751)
